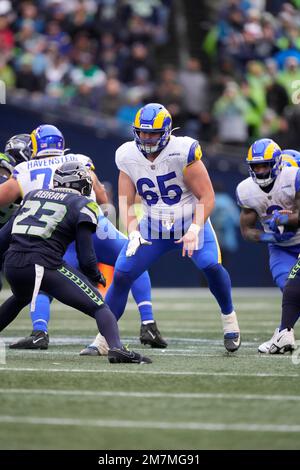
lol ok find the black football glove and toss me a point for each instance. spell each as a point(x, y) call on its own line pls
point(99, 279)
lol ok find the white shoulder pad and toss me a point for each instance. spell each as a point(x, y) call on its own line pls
point(84, 159)
point(245, 192)
point(125, 155)
point(188, 148)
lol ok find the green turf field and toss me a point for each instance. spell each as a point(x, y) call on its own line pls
point(193, 396)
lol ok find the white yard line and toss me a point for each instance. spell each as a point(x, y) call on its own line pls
point(174, 306)
point(80, 340)
point(153, 352)
point(102, 393)
point(199, 293)
point(136, 370)
point(189, 426)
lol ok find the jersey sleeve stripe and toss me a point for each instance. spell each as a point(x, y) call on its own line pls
point(194, 154)
point(93, 206)
point(90, 213)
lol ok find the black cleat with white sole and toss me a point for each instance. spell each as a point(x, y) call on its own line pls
point(37, 340)
point(232, 341)
point(151, 335)
point(117, 356)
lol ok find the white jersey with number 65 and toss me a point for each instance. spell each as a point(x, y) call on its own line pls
point(160, 183)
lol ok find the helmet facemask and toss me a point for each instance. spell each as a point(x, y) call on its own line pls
point(151, 145)
point(265, 179)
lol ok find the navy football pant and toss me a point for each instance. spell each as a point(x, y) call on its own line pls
point(67, 285)
point(291, 299)
point(108, 242)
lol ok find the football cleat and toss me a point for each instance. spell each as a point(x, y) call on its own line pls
point(232, 337)
point(150, 334)
point(98, 347)
point(283, 341)
point(37, 340)
point(117, 356)
point(90, 351)
point(264, 348)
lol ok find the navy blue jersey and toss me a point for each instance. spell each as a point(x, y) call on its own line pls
point(47, 222)
point(7, 211)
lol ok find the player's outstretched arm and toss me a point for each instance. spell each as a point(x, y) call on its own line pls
point(127, 195)
point(197, 179)
point(248, 221)
point(86, 254)
point(286, 217)
point(100, 192)
point(9, 192)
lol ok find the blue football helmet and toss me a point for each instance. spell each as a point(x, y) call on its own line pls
point(152, 118)
point(47, 140)
point(264, 151)
point(290, 158)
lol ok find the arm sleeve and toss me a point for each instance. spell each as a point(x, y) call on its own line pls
point(85, 251)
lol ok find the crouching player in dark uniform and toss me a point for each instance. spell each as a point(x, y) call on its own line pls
point(283, 339)
point(43, 227)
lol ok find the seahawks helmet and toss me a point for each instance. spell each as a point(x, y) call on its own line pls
point(73, 176)
point(7, 162)
point(152, 118)
point(47, 140)
point(290, 158)
point(264, 151)
point(19, 148)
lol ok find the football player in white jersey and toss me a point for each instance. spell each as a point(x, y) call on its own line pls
point(37, 173)
point(177, 196)
point(271, 196)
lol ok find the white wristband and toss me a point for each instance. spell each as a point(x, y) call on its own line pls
point(195, 229)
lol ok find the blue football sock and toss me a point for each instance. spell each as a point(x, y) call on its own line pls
point(219, 284)
point(41, 315)
point(141, 291)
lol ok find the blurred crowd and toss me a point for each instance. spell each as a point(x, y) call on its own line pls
point(93, 54)
point(100, 55)
point(255, 48)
